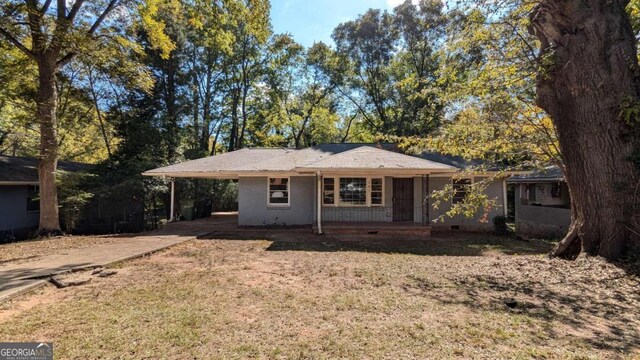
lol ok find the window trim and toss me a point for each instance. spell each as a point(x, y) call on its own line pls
point(370, 188)
point(30, 199)
point(280, 205)
point(336, 191)
point(532, 188)
point(557, 195)
point(471, 181)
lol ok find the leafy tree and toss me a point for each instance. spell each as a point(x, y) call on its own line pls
point(395, 58)
point(251, 30)
point(304, 95)
point(51, 35)
point(209, 43)
point(588, 84)
point(590, 99)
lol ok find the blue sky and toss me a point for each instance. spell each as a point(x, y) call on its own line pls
point(314, 20)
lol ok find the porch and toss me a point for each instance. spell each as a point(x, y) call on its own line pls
point(227, 223)
point(375, 228)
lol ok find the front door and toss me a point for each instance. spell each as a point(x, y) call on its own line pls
point(402, 199)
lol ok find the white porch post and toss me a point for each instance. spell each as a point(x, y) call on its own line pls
point(319, 202)
point(504, 196)
point(173, 193)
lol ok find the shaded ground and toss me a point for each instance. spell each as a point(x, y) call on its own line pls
point(302, 296)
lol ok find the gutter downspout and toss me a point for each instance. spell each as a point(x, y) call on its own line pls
point(319, 201)
point(173, 192)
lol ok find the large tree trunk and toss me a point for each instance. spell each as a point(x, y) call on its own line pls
point(47, 99)
point(233, 134)
point(172, 108)
point(590, 70)
point(245, 120)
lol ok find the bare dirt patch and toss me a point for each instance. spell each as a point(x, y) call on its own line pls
point(351, 297)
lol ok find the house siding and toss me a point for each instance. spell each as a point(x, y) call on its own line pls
point(545, 219)
point(417, 199)
point(13, 209)
point(494, 191)
point(253, 209)
point(542, 221)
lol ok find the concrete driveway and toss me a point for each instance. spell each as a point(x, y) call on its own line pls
point(19, 277)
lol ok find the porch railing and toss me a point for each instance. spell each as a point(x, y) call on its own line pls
point(370, 214)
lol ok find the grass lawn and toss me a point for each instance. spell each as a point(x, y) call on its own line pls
point(323, 298)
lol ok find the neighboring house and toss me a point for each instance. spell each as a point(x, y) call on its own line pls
point(359, 187)
point(543, 206)
point(19, 194)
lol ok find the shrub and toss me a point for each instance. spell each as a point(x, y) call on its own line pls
point(500, 225)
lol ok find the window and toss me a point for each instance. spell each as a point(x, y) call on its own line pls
point(556, 190)
point(328, 191)
point(377, 189)
point(460, 190)
point(531, 192)
point(353, 191)
point(33, 198)
point(278, 192)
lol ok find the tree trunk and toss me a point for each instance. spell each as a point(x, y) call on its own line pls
point(590, 70)
point(233, 134)
point(47, 100)
point(245, 120)
point(101, 120)
point(172, 109)
point(206, 113)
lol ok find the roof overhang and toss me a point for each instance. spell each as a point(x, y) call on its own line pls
point(535, 181)
point(3, 183)
point(308, 171)
point(222, 175)
point(381, 171)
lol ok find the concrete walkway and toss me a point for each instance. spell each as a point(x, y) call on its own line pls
point(21, 277)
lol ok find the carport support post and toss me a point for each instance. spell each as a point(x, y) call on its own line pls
point(319, 201)
point(173, 194)
point(504, 196)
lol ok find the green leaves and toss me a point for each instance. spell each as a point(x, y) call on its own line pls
point(630, 111)
point(154, 26)
point(395, 58)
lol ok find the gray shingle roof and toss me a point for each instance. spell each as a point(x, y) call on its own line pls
point(369, 157)
point(548, 174)
point(364, 156)
point(451, 160)
point(222, 162)
point(23, 169)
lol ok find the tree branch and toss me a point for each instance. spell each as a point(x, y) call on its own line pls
point(17, 43)
point(74, 11)
point(62, 9)
point(102, 16)
point(65, 59)
point(38, 39)
point(45, 7)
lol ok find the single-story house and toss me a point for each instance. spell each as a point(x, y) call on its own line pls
point(19, 194)
point(543, 205)
point(331, 187)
